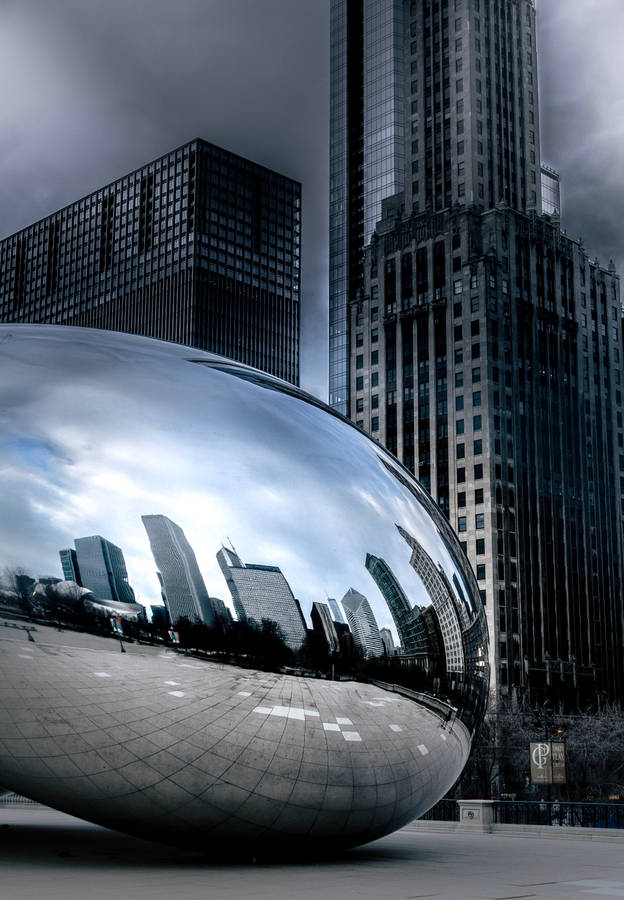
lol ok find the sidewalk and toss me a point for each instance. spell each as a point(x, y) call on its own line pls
point(48, 854)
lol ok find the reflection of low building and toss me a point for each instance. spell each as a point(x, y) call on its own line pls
point(261, 592)
point(362, 622)
point(183, 588)
point(160, 617)
point(103, 569)
point(129, 612)
point(386, 639)
point(323, 625)
point(221, 612)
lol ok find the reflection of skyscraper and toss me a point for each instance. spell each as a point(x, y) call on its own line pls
point(336, 611)
point(411, 631)
point(362, 623)
point(69, 563)
point(323, 623)
point(386, 640)
point(262, 592)
point(184, 590)
point(102, 569)
point(446, 607)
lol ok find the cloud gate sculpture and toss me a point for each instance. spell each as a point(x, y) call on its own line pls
point(227, 616)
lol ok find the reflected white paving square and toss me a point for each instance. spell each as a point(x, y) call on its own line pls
point(351, 736)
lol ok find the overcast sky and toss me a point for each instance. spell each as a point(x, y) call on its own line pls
point(94, 89)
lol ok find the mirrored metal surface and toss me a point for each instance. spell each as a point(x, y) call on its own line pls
point(224, 611)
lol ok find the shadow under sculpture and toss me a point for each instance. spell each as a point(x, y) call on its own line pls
point(305, 648)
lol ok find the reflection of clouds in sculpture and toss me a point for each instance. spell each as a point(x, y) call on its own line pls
point(157, 427)
point(156, 462)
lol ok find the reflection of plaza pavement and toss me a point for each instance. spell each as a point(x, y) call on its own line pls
point(153, 739)
point(44, 853)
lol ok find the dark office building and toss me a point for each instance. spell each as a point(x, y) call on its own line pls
point(471, 336)
point(102, 569)
point(183, 588)
point(69, 564)
point(200, 246)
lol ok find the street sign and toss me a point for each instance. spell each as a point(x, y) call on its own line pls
point(541, 762)
point(558, 762)
point(547, 760)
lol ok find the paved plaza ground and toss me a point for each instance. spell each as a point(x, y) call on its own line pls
point(44, 854)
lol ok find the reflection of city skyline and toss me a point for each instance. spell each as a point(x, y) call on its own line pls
point(260, 592)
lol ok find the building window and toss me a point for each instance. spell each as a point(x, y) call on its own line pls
point(375, 401)
point(478, 447)
point(375, 358)
point(459, 379)
point(461, 524)
point(478, 471)
point(476, 423)
point(374, 335)
point(480, 546)
point(359, 361)
point(474, 304)
point(359, 383)
point(480, 521)
point(374, 379)
point(375, 423)
point(459, 426)
point(457, 286)
point(459, 403)
point(461, 499)
point(359, 340)
point(478, 496)
point(359, 406)
point(476, 398)
point(458, 333)
point(476, 375)
point(481, 572)
point(461, 451)
point(461, 475)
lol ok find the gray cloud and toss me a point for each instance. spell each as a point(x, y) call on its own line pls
point(582, 73)
point(93, 90)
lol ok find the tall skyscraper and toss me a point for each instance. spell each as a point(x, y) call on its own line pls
point(262, 592)
point(363, 624)
point(200, 246)
point(183, 588)
point(323, 624)
point(69, 564)
point(472, 337)
point(102, 569)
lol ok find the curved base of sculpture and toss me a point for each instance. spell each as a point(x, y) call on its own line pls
point(193, 752)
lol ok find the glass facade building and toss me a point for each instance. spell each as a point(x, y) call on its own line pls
point(551, 192)
point(486, 348)
point(200, 246)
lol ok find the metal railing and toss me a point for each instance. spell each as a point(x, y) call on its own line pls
point(443, 811)
point(12, 799)
point(559, 813)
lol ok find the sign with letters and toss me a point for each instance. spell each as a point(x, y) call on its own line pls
point(547, 760)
